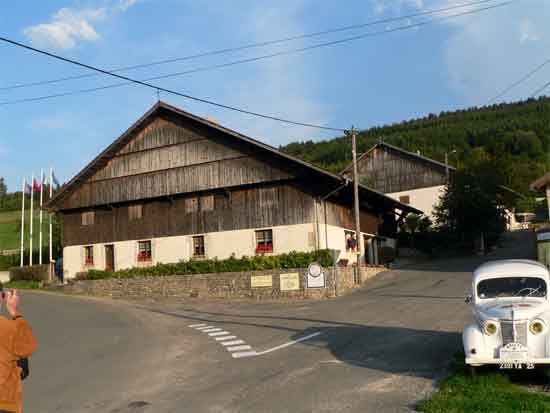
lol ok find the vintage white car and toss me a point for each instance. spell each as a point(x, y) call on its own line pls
point(512, 316)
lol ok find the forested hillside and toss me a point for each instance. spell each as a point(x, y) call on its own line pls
point(515, 137)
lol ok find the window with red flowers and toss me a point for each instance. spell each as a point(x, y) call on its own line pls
point(89, 255)
point(264, 241)
point(144, 251)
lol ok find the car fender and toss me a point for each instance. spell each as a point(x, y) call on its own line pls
point(473, 338)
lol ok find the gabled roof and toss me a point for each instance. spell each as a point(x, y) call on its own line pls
point(541, 183)
point(161, 107)
point(414, 156)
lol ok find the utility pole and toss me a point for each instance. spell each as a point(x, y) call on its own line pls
point(356, 203)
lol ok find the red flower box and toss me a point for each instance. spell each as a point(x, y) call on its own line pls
point(144, 256)
point(89, 261)
point(264, 248)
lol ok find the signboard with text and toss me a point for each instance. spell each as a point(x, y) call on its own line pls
point(315, 276)
point(258, 281)
point(290, 281)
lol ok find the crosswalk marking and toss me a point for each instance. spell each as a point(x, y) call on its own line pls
point(240, 354)
point(211, 330)
point(239, 348)
point(225, 338)
point(197, 325)
point(203, 328)
point(233, 343)
point(218, 333)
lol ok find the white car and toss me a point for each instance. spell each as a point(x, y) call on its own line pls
point(512, 316)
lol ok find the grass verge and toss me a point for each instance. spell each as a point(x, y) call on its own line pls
point(488, 392)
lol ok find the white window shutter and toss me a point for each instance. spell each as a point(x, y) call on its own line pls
point(206, 245)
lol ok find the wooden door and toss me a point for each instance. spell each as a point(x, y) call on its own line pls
point(109, 257)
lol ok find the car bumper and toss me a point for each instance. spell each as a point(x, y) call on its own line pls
point(480, 361)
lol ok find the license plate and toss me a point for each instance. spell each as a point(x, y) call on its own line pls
point(513, 352)
point(509, 365)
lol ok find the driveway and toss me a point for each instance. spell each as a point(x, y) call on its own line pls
point(381, 348)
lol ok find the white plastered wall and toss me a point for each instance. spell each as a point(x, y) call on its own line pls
point(424, 199)
point(286, 238)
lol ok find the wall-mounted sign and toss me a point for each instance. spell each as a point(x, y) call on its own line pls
point(290, 282)
point(315, 276)
point(258, 281)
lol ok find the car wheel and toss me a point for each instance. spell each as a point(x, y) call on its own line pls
point(471, 371)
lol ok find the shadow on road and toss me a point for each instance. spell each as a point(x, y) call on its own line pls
point(396, 350)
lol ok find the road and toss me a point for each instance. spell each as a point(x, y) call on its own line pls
point(381, 348)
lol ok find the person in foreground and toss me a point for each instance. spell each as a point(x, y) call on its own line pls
point(16, 342)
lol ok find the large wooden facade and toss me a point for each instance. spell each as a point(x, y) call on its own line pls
point(389, 169)
point(186, 175)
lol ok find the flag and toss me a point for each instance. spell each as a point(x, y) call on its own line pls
point(55, 181)
point(27, 189)
point(36, 185)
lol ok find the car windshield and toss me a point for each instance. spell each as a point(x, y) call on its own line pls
point(512, 287)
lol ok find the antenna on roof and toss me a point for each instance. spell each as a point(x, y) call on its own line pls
point(158, 95)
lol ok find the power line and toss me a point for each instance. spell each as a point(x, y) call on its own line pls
point(520, 81)
point(253, 59)
point(162, 89)
point(540, 89)
point(250, 46)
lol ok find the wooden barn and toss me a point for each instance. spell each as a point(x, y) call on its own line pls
point(408, 177)
point(176, 186)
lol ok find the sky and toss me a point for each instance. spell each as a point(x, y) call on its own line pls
point(450, 64)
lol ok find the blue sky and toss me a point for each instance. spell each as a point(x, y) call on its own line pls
point(452, 64)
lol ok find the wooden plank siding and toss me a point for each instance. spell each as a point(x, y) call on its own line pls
point(243, 208)
point(167, 159)
point(343, 216)
point(387, 171)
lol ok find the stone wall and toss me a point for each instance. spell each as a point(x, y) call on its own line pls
point(338, 281)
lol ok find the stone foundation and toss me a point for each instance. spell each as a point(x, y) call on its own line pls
point(338, 281)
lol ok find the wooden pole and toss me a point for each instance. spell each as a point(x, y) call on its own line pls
point(356, 203)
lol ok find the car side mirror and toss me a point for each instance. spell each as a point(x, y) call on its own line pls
point(469, 299)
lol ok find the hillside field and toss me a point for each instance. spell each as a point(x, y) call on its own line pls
point(10, 233)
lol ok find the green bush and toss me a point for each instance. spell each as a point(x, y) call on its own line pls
point(259, 262)
point(8, 261)
point(34, 273)
point(22, 285)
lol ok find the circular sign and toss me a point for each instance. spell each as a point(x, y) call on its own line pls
point(315, 270)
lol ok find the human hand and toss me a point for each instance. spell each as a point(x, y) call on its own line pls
point(12, 300)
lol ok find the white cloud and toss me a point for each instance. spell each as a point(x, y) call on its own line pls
point(68, 26)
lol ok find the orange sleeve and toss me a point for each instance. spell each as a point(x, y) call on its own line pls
point(24, 342)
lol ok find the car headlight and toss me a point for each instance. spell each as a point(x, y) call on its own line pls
point(490, 327)
point(537, 326)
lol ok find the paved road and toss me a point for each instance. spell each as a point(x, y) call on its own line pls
point(379, 349)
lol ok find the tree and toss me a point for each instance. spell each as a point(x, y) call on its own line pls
point(473, 205)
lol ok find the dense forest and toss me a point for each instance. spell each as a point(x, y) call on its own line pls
point(515, 137)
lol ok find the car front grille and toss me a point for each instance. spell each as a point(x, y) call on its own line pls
point(507, 331)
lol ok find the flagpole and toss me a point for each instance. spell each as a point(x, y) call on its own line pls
point(41, 201)
point(22, 253)
point(31, 219)
point(51, 194)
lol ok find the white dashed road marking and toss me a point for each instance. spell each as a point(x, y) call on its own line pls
point(225, 338)
point(237, 347)
point(233, 343)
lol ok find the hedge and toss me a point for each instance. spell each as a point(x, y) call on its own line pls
point(27, 273)
point(260, 262)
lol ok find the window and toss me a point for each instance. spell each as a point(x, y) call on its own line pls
point(264, 241)
point(351, 241)
point(89, 255)
point(135, 212)
point(198, 246)
point(405, 199)
point(191, 204)
point(144, 251)
point(88, 218)
point(207, 203)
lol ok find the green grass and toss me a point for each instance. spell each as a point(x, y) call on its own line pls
point(10, 236)
point(488, 392)
point(22, 285)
